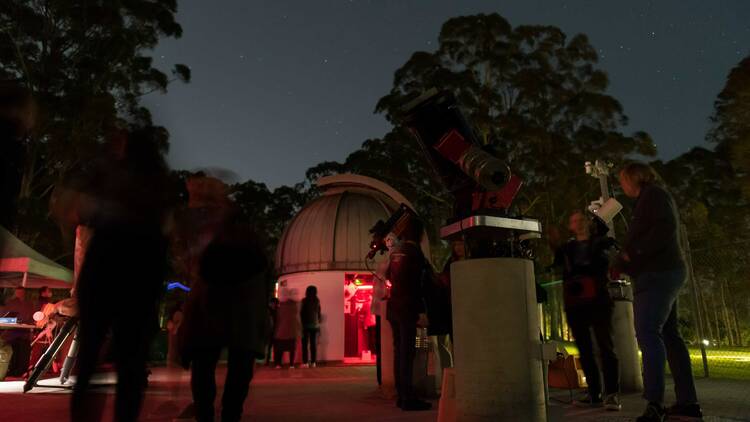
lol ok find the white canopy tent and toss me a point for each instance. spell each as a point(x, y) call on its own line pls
point(20, 265)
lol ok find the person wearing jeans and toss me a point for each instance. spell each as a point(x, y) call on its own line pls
point(310, 315)
point(653, 256)
point(310, 342)
point(287, 328)
point(655, 309)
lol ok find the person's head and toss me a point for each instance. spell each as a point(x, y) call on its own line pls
point(207, 192)
point(578, 224)
point(20, 293)
point(458, 249)
point(413, 231)
point(634, 176)
point(17, 107)
point(311, 292)
point(391, 240)
point(45, 292)
point(117, 143)
point(288, 293)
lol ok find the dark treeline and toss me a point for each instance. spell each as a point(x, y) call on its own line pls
point(536, 97)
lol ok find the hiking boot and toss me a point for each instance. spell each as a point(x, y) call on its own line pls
point(612, 402)
point(654, 413)
point(685, 412)
point(588, 400)
point(415, 405)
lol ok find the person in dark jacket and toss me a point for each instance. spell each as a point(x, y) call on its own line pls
point(653, 256)
point(588, 307)
point(310, 316)
point(405, 310)
point(226, 307)
point(273, 307)
point(128, 227)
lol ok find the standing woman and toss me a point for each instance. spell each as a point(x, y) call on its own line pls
point(584, 260)
point(653, 257)
point(311, 318)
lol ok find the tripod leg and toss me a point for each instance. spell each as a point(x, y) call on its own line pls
point(69, 360)
point(44, 362)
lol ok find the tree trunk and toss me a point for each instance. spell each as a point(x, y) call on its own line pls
point(706, 316)
point(725, 314)
point(716, 318)
point(740, 340)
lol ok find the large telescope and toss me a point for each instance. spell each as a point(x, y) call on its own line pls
point(482, 185)
point(498, 368)
point(477, 179)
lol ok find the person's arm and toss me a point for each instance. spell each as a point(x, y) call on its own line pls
point(177, 321)
point(423, 280)
point(559, 260)
point(320, 314)
point(653, 226)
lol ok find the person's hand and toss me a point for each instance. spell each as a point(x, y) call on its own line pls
point(423, 321)
point(625, 257)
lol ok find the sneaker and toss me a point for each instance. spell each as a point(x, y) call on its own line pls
point(291, 366)
point(587, 400)
point(313, 365)
point(685, 412)
point(277, 367)
point(415, 405)
point(305, 365)
point(612, 402)
point(654, 413)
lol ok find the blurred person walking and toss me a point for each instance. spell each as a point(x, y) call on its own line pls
point(124, 267)
point(17, 115)
point(584, 260)
point(311, 317)
point(653, 257)
point(273, 307)
point(226, 307)
point(287, 329)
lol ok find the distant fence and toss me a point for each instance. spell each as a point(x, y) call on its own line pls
point(714, 315)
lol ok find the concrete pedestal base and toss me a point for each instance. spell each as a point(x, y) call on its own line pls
point(497, 347)
point(626, 347)
point(388, 383)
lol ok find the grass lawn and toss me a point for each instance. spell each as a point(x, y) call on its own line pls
point(732, 363)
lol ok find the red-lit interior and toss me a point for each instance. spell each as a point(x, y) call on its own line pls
point(359, 322)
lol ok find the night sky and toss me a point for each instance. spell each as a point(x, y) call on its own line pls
point(279, 86)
